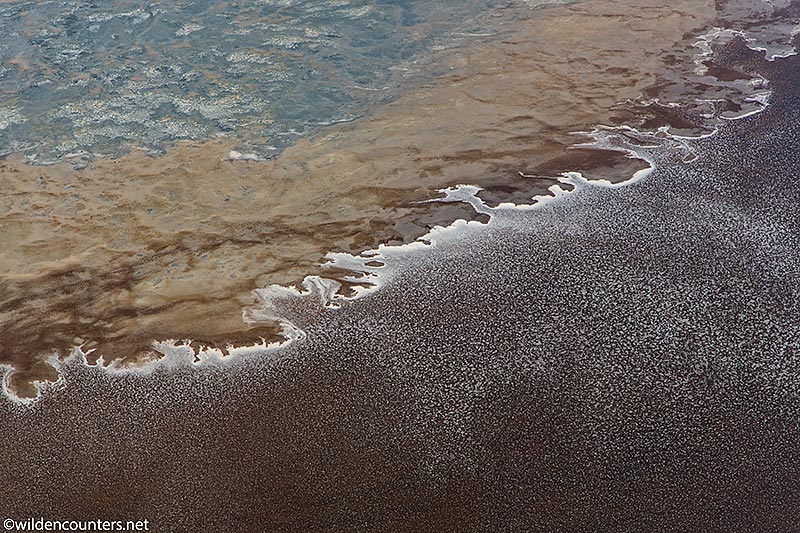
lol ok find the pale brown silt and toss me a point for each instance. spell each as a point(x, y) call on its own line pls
point(139, 248)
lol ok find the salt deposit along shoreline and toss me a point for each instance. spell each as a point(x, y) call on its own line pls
point(620, 359)
point(142, 249)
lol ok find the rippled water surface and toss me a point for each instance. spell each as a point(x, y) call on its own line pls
point(93, 76)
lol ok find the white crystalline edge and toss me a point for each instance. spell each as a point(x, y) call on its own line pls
point(376, 276)
point(178, 354)
point(773, 52)
point(9, 116)
point(189, 28)
point(41, 386)
point(705, 41)
point(234, 155)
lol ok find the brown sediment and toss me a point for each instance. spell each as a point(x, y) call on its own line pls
point(130, 250)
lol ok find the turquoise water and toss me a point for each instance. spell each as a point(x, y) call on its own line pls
point(82, 79)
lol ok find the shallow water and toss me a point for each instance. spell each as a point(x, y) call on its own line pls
point(622, 359)
point(99, 78)
point(116, 254)
point(137, 249)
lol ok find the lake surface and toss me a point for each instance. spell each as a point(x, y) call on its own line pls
point(97, 78)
